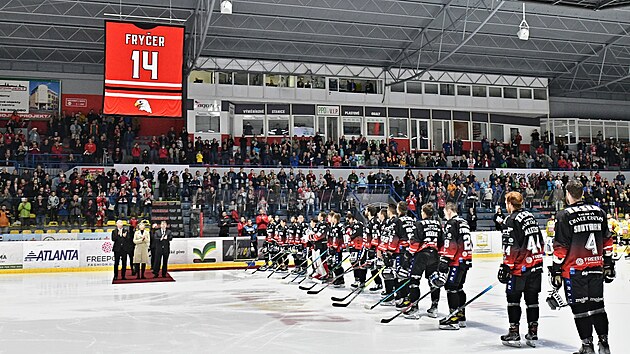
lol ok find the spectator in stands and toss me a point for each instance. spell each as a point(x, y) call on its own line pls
point(5, 220)
point(471, 217)
point(24, 212)
point(40, 208)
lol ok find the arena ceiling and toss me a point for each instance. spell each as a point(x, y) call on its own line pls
point(582, 46)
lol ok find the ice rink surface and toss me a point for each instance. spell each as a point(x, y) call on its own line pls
point(236, 312)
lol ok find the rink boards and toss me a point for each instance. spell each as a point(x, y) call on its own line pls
point(60, 254)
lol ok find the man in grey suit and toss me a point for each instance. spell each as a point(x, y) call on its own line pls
point(162, 240)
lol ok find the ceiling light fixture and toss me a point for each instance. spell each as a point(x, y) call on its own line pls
point(226, 6)
point(523, 28)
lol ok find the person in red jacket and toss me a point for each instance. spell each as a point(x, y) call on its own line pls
point(241, 226)
point(261, 223)
point(411, 202)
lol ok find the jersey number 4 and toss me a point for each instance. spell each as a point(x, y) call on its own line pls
point(591, 245)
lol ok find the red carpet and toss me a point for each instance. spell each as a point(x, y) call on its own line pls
point(148, 278)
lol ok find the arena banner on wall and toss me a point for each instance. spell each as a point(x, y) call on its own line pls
point(96, 254)
point(11, 254)
point(487, 242)
point(60, 254)
point(31, 98)
point(190, 251)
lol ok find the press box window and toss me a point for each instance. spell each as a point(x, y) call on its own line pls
point(414, 87)
point(351, 126)
point(525, 93)
point(375, 127)
point(256, 79)
point(304, 126)
point(540, 94)
point(225, 78)
point(431, 89)
point(460, 130)
point(253, 126)
point(479, 130)
point(240, 79)
point(398, 128)
point(208, 124)
point(447, 89)
point(277, 126)
point(463, 90)
point(510, 92)
point(495, 92)
point(479, 91)
point(399, 87)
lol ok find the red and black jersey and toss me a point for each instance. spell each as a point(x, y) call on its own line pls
point(291, 229)
point(320, 233)
point(457, 243)
point(406, 230)
point(429, 235)
point(389, 236)
point(522, 242)
point(355, 233)
point(335, 237)
point(299, 231)
point(271, 230)
point(371, 234)
point(281, 235)
point(582, 238)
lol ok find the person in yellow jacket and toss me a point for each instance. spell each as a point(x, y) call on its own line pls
point(551, 226)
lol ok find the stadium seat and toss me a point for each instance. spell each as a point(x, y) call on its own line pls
point(111, 223)
point(27, 231)
point(87, 231)
point(53, 223)
point(75, 231)
point(51, 231)
point(63, 231)
point(39, 231)
point(14, 232)
point(109, 230)
point(99, 230)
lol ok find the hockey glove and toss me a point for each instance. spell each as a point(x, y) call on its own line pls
point(505, 274)
point(403, 273)
point(438, 279)
point(609, 269)
point(555, 276)
point(379, 263)
point(443, 266)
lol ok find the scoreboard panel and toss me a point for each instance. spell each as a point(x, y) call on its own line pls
point(143, 69)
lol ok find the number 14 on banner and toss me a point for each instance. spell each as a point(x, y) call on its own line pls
point(148, 65)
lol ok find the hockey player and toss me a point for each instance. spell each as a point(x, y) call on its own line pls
point(582, 262)
point(319, 239)
point(281, 240)
point(423, 248)
point(249, 230)
point(371, 237)
point(270, 242)
point(521, 270)
point(299, 256)
point(336, 243)
point(405, 229)
point(455, 260)
point(354, 231)
point(388, 248)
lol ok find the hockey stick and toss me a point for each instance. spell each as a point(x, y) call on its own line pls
point(302, 287)
point(332, 281)
point(356, 292)
point(279, 265)
point(387, 297)
point(454, 312)
point(265, 266)
point(388, 320)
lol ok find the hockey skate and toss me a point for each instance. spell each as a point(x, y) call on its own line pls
point(389, 302)
point(432, 311)
point(376, 287)
point(587, 347)
point(450, 323)
point(402, 303)
point(531, 338)
point(513, 338)
point(356, 284)
point(413, 313)
point(461, 315)
point(604, 347)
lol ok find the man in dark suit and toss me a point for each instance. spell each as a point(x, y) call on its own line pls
point(162, 239)
point(123, 248)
